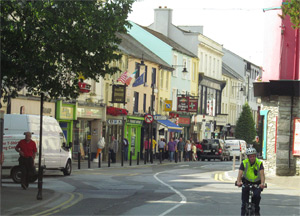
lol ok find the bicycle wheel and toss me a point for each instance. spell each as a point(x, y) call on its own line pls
point(250, 209)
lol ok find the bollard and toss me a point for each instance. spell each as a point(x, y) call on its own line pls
point(176, 156)
point(160, 156)
point(138, 159)
point(122, 158)
point(233, 165)
point(78, 160)
point(145, 159)
point(89, 158)
point(99, 160)
point(108, 161)
point(151, 157)
point(130, 159)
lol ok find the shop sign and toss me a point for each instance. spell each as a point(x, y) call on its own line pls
point(184, 121)
point(168, 105)
point(89, 113)
point(118, 94)
point(193, 105)
point(67, 113)
point(182, 104)
point(114, 122)
point(135, 121)
point(296, 143)
point(160, 117)
point(187, 104)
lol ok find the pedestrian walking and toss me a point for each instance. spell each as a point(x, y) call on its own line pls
point(171, 147)
point(194, 152)
point(199, 150)
point(113, 148)
point(27, 150)
point(180, 148)
point(126, 144)
point(162, 147)
point(188, 150)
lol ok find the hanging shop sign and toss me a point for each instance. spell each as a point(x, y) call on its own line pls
point(187, 104)
point(84, 87)
point(182, 104)
point(193, 105)
point(118, 94)
point(168, 105)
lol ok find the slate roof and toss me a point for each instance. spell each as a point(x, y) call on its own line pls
point(132, 47)
point(169, 41)
point(226, 70)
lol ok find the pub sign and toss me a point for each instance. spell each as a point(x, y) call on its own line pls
point(118, 94)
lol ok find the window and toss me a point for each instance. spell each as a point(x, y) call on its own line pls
point(136, 102)
point(137, 68)
point(194, 71)
point(201, 62)
point(174, 99)
point(146, 74)
point(162, 79)
point(154, 76)
point(153, 102)
point(167, 80)
point(206, 63)
point(175, 63)
point(144, 105)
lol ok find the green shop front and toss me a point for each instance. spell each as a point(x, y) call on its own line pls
point(65, 115)
point(132, 132)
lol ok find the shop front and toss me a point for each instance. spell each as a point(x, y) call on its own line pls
point(87, 130)
point(65, 115)
point(133, 129)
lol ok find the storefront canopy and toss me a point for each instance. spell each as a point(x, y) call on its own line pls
point(170, 125)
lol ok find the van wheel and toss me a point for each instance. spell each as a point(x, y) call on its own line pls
point(16, 174)
point(68, 169)
point(33, 178)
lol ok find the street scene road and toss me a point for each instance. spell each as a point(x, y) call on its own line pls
point(187, 188)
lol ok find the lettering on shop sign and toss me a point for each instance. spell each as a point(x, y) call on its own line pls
point(114, 122)
point(47, 110)
point(134, 121)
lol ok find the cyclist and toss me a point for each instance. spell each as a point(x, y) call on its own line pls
point(251, 171)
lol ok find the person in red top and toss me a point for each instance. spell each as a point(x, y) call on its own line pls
point(27, 150)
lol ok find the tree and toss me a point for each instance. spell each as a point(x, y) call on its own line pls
point(46, 45)
point(245, 126)
point(292, 9)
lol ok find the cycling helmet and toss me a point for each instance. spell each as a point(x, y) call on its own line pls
point(251, 151)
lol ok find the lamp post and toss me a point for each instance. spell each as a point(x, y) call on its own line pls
point(40, 174)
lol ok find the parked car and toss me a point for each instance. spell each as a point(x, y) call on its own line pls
point(214, 149)
point(236, 148)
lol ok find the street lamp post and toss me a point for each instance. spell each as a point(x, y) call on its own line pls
point(151, 126)
point(40, 174)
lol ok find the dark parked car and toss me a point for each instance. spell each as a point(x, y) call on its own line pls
point(214, 149)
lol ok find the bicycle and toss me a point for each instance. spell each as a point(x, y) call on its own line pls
point(250, 206)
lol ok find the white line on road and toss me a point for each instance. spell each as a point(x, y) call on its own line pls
point(183, 198)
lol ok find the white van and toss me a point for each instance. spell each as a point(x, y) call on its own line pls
point(55, 153)
point(236, 147)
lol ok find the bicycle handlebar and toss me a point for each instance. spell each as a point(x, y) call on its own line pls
point(250, 184)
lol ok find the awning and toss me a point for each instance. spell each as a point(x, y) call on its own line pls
point(170, 125)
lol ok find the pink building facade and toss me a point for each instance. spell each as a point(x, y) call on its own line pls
point(279, 92)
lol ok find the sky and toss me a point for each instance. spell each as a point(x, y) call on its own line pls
point(238, 25)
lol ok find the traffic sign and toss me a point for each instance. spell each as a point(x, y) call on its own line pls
point(148, 118)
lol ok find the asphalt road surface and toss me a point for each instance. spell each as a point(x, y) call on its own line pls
point(189, 188)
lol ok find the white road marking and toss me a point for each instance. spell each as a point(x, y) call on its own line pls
point(183, 198)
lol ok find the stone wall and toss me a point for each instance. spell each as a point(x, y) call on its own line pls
point(271, 104)
point(282, 162)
